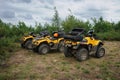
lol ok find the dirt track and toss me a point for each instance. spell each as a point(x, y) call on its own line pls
point(27, 65)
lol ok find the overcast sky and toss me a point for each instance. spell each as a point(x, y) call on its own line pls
point(31, 11)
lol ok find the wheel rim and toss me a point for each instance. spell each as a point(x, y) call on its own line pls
point(101, 52)
point(61, 48)
point(83, 55)
point(30, 46)
point(44, 50)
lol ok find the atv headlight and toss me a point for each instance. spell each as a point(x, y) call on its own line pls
point(84, 40)
point(23, 39)
point(36, 43)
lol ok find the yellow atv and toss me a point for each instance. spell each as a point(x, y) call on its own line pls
point(80, 46)
point(26, 41)
point(45, 44)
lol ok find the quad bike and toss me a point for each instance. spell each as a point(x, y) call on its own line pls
point(45, 44)
point(26, 41)
point(81, 46)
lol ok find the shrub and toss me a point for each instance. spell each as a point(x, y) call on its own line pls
point(112, 35)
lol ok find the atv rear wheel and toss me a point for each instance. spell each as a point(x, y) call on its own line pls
point(43, 49)
point(67, 52)
point(61, 46)
point(82, 54)
point(100, 52)
point(28, 44)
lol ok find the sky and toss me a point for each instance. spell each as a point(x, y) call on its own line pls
point(42, 11)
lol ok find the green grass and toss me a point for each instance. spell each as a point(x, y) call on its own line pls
point(86, 71)
point(27, 65)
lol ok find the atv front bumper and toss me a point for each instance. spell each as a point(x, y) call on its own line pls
point(72, 46)
point(34, 46)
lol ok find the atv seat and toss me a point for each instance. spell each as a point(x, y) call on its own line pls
point(76, 31)
point(75, 34)
point(73, 38)
point(32, 34)
point(44, 33)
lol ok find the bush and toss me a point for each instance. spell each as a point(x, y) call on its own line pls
point(112, 35)
point(10, 34)
point(7, 46)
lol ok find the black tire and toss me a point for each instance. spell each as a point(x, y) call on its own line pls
point(35, 49)
point(100, 52)
point(61, 46)
point(43, 49)
point(28, 44)
point(22, 45)
point(82, 54)
point(67, 52)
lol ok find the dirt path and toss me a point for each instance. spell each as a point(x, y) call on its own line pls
point(27, 65)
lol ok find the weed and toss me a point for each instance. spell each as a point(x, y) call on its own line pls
point(117, 64)
point(78, 66)
point(86, 71)
point(65, 68)
point(55, 75)
point(49, 68)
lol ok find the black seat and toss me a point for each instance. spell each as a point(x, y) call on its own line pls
point(73, 38)
point(77, 31)
point(75, 34)
point(44, 33)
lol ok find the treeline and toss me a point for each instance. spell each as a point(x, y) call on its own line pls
point(11, 34)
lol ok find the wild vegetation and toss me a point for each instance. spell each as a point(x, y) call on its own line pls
point(27, 65)
point(10, 34)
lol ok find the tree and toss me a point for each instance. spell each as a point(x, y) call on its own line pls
point(101, 25)
point(56, 19)
point(71, 22)
point(38, 28)
point(117, 26)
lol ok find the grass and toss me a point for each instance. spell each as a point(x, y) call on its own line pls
point(27, 65)
point(86, 71)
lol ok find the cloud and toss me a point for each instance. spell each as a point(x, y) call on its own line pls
point(47, 1)
point(118, 11)
point(20, 1)
point(7, 14)
point(48, 7)
point(90, 12)
point(26, 16)
point(31, 11)
point(78, 0)
point(47, 19)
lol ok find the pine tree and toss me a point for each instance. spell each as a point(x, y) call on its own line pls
point(56, 19)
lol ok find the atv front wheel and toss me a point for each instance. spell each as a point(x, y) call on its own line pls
point(28, 44)
point(100, 52)
point(82, 54)
point(43, 49)
point(67, 52)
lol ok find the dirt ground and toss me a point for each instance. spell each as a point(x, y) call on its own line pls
point(28, 65)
